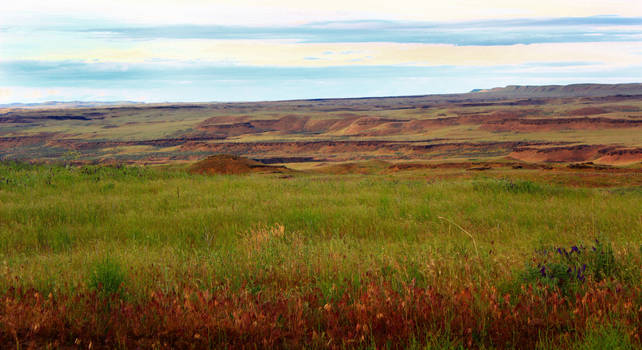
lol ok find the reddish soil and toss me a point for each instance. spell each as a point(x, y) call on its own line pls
point(355, 150)
point(339, 127)
point(465, 165)
point(613, 155)
point(534, 125)
point(621, 156)
point(229, 164)
point(497, 121)
point(588, 111)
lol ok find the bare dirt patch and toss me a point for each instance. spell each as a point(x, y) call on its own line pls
point(230, 165)
point(612, 155)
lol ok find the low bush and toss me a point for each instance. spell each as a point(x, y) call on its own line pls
point(107, 277)
point(374, 315)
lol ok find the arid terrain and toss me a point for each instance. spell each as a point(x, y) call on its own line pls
point(577, 123)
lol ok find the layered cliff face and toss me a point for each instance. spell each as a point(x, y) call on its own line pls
point(586, 122)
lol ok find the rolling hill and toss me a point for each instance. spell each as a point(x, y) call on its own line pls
point(573, 123)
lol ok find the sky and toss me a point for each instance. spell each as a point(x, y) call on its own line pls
point(242, 50)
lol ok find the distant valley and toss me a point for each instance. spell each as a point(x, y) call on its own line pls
point(533, 124)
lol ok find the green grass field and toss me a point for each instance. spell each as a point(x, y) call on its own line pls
point(125, 233)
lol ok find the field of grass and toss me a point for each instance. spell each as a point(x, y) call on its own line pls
point(154, 257)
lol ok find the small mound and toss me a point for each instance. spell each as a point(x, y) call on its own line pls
point(230, 165)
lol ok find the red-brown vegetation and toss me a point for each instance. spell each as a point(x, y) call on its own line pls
point(374, 313)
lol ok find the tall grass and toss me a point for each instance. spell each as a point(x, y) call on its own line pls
point(329, 236)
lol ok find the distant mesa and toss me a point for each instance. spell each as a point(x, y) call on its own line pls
point(507, 92)
point(573, 90)
point(226, 164)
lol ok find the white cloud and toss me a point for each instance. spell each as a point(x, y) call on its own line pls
point(27, 40)
point(284, 53)
point(252, 12)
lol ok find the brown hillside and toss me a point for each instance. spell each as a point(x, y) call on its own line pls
point(612, 155)
point(230, 165)
point(574, 123)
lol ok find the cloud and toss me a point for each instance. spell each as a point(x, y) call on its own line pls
point(293, 54)
point(43, 81)
point(279, 12)
point(274, 49)
point(92, 75)
point(489, 32)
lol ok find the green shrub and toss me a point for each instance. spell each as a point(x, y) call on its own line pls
point(107, 277)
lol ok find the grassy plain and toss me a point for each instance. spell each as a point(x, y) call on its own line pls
point(433, 258)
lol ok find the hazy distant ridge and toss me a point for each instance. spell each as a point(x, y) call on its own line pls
point(510, 91)
point(573, 90)
point(69, 104)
